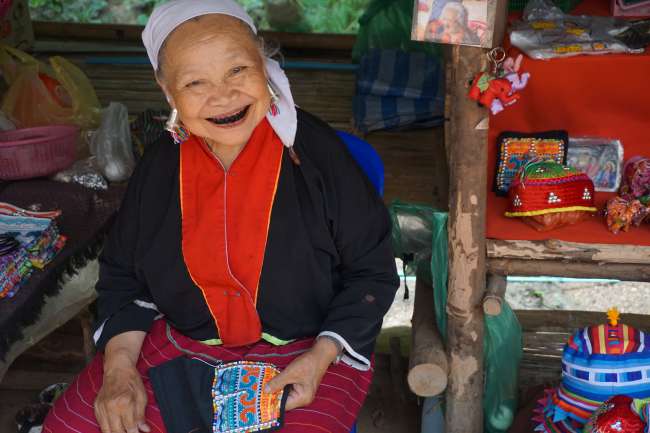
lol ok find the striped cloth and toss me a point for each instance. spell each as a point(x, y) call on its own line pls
point(397, 89)
point(598, 363)
point(334, 410)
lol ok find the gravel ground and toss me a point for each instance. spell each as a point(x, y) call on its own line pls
point(628, 297)
point(538, 294)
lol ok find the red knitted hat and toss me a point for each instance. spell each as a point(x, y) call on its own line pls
point(543, 187)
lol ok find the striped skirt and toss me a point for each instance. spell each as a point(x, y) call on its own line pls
point(335, 408)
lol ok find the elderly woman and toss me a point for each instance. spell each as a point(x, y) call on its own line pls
point(251, 236)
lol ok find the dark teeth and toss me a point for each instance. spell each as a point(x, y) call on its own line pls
point(230, 119)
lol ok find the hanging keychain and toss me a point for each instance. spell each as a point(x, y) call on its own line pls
point(497, 88)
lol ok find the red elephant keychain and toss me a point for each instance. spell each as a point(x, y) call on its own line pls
point(493, 89)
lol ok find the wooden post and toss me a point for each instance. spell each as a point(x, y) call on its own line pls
point(495, 292)
point(428, 367)
point(466, 141)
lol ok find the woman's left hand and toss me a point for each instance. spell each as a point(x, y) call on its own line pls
point(305, 374)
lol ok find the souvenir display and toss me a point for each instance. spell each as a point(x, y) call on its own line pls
point(616, 415)
point(514, 149)
point(28, 241)
point(600, 159)
point(632, 205)
point(548, 195)
point(497, 88)
point(598, 363)
point(547, 33)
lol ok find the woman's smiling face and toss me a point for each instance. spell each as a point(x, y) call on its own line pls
point(212, 71)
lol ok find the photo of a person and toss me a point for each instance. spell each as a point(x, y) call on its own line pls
point(451, 26)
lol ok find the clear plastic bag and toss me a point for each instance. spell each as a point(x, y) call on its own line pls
point(112, 144)
point(41, 95)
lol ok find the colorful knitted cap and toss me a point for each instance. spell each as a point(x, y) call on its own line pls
point(543, 187)
point(598, 362)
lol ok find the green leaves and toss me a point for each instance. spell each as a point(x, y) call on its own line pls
point(318, 16)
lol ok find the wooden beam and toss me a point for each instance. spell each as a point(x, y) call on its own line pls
point(495, 293)
point(132, 33)
point(467, 151)
point(554, 249)
point(428, 367)
point(557, 268)
point(568, 321)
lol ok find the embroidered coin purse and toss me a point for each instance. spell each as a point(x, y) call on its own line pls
point(240, 403)
point(514, 149)
point(227, 398)
point(547, 195)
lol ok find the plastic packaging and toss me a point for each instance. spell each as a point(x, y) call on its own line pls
point(547, 33)
point(421, 230)
point(85, 173)
point(111, 144)
point(41, 95)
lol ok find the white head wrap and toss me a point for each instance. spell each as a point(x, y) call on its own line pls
point(166, 17)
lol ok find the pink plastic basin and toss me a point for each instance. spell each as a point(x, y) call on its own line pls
point(36, 152)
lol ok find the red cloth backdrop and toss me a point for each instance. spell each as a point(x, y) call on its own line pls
point(599, 96)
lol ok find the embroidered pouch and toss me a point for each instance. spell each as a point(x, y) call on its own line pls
point(514, 149)
point(240, 404)
point(228, 398)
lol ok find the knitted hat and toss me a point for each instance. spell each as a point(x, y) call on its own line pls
point(598, 362)
point(546, 187)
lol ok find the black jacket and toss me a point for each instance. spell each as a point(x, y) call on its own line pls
point(328, 264)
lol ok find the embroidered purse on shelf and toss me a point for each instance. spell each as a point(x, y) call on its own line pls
point(514, 149)
point(227, 398)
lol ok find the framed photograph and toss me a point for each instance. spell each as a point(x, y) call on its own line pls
point(479, 23)
point(601, 159)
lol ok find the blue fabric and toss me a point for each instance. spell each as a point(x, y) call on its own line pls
point(397, 89)
point(367, 158)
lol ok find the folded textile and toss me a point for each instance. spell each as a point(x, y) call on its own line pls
point(398, 89)
point(39, 240)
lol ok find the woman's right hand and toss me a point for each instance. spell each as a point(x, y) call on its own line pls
point(121, 401)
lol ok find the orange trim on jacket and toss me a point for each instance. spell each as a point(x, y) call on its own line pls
point(225, 225)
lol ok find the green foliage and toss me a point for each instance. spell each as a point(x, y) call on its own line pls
point(318, 16)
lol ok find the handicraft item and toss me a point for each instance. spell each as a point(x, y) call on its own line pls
point(600, 159)
point(28, 241)
point(514, 149)
point(548, 195)
point(600, 364)
point(194, 395)
point(616, 415)
point(498, 88)
point(632, 205)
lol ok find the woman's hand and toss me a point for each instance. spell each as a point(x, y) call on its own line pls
point(121, 402)
point(305, 373)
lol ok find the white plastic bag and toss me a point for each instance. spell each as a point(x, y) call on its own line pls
point(111, 144)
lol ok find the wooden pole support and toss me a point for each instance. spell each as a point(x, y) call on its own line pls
point(494, 294)
point(467, 152)
point(428, 367)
